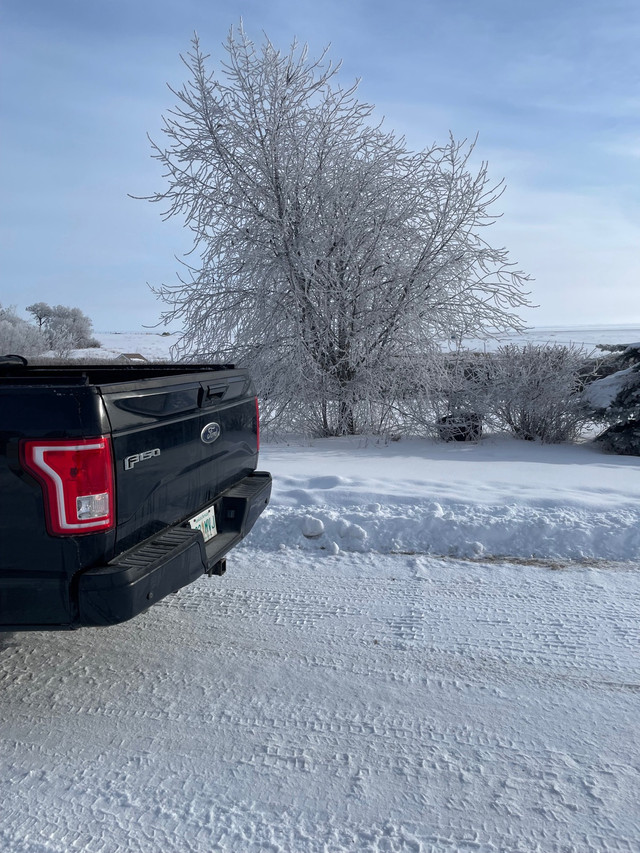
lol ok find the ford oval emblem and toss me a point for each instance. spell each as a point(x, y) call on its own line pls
point(210, 433)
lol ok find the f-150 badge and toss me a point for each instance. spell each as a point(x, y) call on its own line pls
point(210, 433)
point(130, 461)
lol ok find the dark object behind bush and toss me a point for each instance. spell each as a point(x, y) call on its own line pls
point(460, 427)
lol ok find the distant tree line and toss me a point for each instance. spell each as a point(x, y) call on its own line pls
point(58, 328)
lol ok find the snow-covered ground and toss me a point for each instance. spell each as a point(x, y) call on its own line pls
point(421, 647)
point(152, 345)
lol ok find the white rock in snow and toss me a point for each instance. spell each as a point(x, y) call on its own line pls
point(312, 528)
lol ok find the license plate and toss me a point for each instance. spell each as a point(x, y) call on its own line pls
point(206, 522)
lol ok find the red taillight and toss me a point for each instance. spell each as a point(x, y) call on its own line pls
point(77, 482)
point(257, 424)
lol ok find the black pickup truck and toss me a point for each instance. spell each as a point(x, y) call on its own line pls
point(119, 484)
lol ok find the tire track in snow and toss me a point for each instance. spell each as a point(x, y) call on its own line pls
point(415, 615)
point(356, 704)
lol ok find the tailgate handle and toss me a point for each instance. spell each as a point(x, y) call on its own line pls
point(210, 393)
point(217, 391)
point(228, 389)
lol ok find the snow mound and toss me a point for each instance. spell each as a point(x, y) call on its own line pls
point(500, 498)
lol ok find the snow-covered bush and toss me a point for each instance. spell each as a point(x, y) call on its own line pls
point(18, 336)
point(534, 390)
point(443, 394)
point(460, 392)
point(614, 399)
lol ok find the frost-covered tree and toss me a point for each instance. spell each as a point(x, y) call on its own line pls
point(65, 328)
point(326, 253)
point(41, 312)
point(19, 337)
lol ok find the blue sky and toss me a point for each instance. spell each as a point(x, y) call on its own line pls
point(552, 89)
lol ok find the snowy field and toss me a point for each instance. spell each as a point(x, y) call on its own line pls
point(155, 345)
point(421, 647)
point(586, 336)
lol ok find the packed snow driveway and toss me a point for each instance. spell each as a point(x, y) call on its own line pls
point(323, 700)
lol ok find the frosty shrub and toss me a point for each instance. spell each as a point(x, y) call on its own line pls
point(448, 391)
point(534, 391)
point(19, 337)
point(326, 255)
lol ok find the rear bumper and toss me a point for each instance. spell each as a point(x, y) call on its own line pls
point(164, 563)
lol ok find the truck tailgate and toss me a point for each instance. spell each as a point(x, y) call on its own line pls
point(176, 448)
